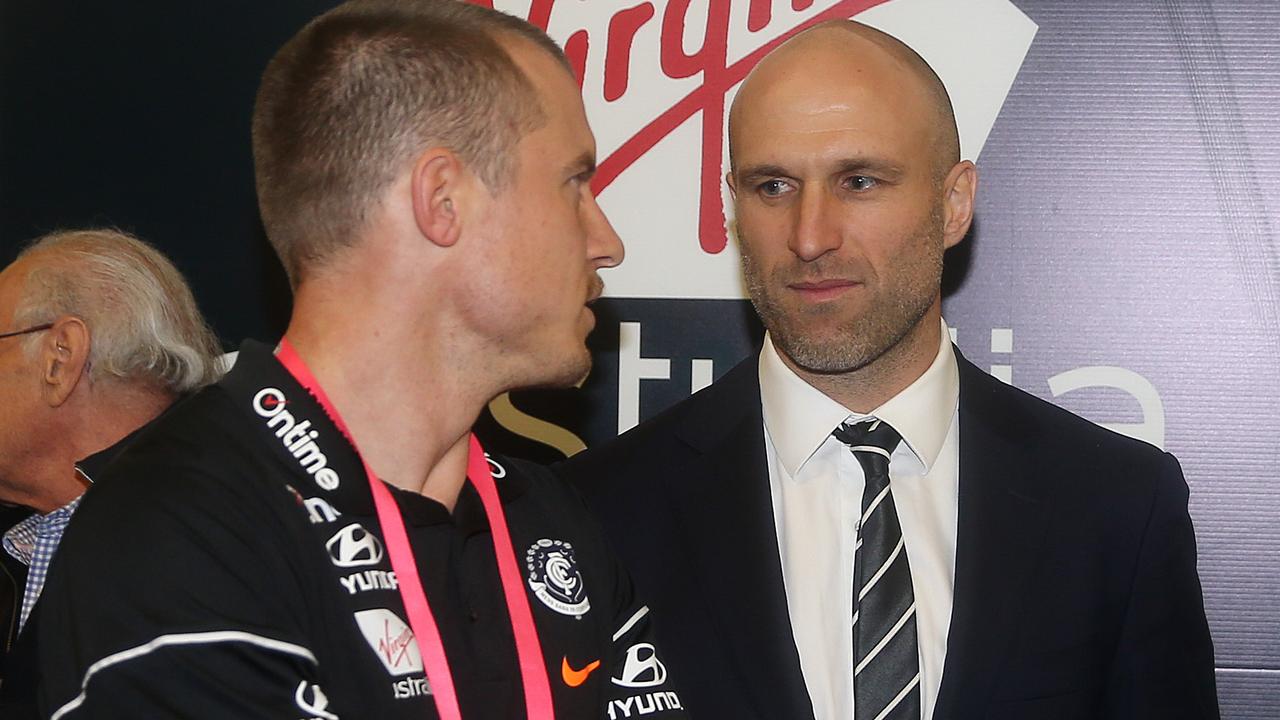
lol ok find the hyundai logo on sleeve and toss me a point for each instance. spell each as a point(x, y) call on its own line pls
point(642, 668)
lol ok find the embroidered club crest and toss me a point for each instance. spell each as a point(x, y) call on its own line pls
point(554, 577)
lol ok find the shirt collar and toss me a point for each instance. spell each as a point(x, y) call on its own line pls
point(92, 466)
point(469, 516)
point(799, 418)
point(20, 540)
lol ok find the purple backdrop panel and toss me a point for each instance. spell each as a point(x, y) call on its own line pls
point(1127, 221)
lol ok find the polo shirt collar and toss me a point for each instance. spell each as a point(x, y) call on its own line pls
point(257, 368)
point(799, 418)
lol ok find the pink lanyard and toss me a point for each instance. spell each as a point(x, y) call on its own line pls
point(533, 672)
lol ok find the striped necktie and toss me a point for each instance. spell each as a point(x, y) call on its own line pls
point(886, 672)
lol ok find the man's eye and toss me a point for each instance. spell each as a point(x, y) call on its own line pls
point(861, 183)
point(580, 184)
point(772, 188)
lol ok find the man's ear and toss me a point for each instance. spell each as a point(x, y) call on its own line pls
point(64, 358)
point(732, 183)
point(958, 193)
point(438, 188)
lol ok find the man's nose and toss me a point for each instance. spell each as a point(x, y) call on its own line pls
point(604, 247)
point(815, 231)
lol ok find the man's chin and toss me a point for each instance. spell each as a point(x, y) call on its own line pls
point(821, 350)
point(575, 376)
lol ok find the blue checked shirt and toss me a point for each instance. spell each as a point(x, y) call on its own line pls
point(32, 542)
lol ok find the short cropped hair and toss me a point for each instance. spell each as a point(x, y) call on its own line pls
point(144, 326)
point(361, 91)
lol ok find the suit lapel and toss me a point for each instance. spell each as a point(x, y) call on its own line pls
point(727, 511)
point(999, 533)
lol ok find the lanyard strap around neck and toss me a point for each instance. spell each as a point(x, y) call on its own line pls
point(533, 672)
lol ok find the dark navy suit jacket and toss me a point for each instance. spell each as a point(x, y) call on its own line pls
point(1076, 593)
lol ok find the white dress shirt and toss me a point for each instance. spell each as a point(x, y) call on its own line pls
point(817, 484)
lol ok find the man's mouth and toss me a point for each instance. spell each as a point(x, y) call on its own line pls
point(822, 290)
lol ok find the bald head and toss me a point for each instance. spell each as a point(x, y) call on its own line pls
point(848, 188)
point(847, 61)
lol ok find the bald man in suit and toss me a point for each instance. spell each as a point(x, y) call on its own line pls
point(858, 522)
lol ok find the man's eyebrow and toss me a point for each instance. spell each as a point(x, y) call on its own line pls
point(762, 170)
point(870, 166)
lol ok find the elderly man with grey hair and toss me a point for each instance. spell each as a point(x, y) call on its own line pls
point(99, 334)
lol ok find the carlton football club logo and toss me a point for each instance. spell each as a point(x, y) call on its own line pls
point(554, 577)
point(657, 79)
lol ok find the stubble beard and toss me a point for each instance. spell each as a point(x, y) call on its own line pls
point(818, 341)
point(565, 370)
point(553, 372)
point(571, 372)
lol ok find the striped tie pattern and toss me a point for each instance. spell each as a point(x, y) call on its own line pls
point(886, 666)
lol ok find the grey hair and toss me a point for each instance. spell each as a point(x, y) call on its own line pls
point(144, 325)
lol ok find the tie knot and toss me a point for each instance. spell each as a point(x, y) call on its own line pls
point(872, 442)
point(868, 436)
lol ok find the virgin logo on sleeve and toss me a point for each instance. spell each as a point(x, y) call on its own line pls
point(354, 546)
point(296, 434)
point(391, 639)
point(555, 579)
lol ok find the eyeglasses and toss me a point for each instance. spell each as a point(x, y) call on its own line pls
point(34, 328)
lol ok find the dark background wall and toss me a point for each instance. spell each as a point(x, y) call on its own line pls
point(1125, 244)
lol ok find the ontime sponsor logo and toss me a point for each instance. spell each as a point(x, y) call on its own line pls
point(298, 437)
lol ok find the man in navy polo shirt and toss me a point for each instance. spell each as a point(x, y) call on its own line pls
point(318, 535)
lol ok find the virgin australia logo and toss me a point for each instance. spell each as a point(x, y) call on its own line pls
point(391, 639)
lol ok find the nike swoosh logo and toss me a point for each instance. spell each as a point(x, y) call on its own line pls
point(574, 678)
